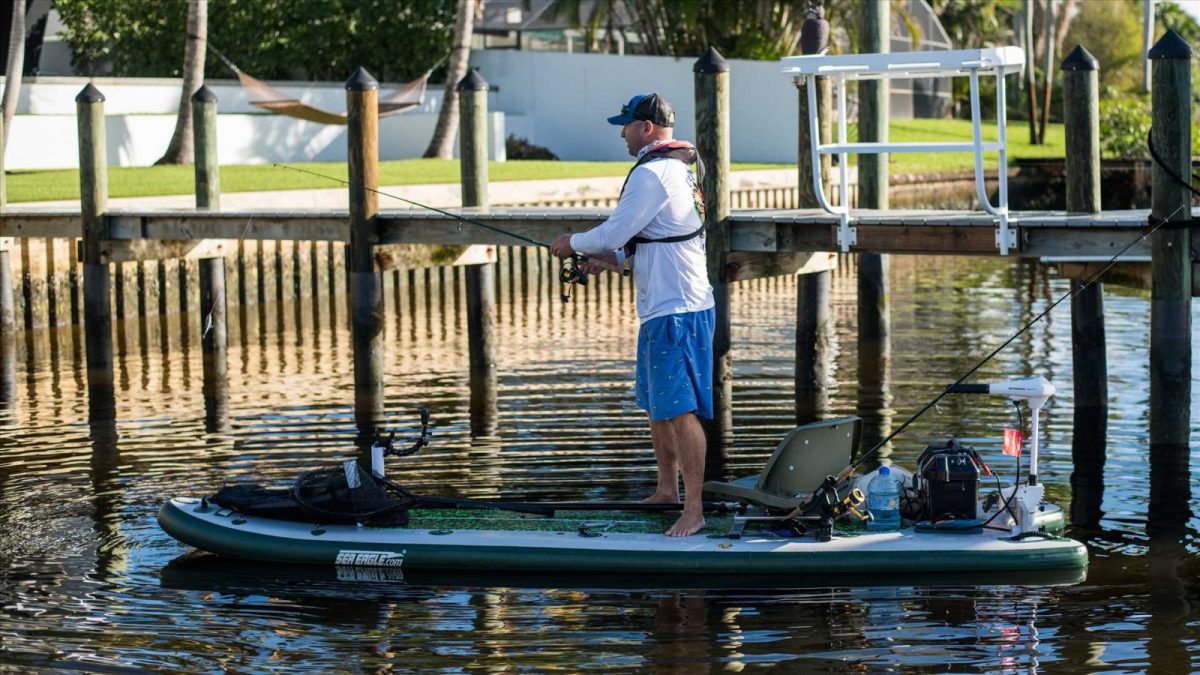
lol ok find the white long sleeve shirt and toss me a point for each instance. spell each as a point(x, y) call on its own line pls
point(659, 201)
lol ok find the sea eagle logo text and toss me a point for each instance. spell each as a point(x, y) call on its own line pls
point(370, 558)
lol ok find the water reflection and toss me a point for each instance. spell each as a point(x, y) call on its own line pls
point(86, 572)
point(8, 372)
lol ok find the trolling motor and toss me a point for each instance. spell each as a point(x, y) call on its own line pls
point(385, 447)
point(571, 274)
point(1035, 391)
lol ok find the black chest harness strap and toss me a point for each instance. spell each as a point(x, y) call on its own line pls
point(684, 152)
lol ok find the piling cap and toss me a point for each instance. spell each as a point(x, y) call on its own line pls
point(1171, 46)
point(1080, 59)
point(90, 94)
point(204, 95)
point(473, 81)
point(711, 62)
point(361, 80)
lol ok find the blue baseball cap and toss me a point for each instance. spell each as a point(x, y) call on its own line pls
point(648, 108)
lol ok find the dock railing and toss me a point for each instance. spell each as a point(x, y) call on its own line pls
point(841, 68)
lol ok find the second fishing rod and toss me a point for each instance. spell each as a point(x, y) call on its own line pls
point(571, 273)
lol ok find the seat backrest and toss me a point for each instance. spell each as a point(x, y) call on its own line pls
point(808, 454)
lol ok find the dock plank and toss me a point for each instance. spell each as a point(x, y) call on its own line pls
point(1040, 233)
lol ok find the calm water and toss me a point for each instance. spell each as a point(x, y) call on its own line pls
point(88, 580)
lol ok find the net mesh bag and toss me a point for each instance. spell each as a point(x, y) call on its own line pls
point(347, 493)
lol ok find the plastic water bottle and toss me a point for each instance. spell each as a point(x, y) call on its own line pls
point(883, 501)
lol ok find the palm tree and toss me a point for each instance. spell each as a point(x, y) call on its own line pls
point(441, 146)
point(16, 64)
point(180, 150)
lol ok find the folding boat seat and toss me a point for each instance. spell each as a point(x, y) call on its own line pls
point(799, 464)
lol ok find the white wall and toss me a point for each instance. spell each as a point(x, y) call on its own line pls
point(561, 101)
point(140, 118)
point(142, 95)
point(552, 99)
point(50, 141)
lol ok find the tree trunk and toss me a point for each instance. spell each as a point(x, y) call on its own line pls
point(180, 150)
point(16, 65)
point(1048, 72)
point(1030, 72)
point(441, 146)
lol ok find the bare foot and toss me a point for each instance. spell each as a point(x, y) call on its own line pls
point(688, 524)
point(661, 498)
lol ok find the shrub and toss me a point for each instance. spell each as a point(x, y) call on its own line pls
point(1125, 125)
point(520, 148)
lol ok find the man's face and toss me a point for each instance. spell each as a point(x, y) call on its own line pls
point(636, 135)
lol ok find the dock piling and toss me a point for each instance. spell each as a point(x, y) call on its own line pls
point(366, 284)
point(874, 314)
point(213, 303)
point(1081, 111)
point(711, 76)
point(8, 311)
point(8, 308)
point(1171, 270)
point(481, 279)
point(93, 205)
point(813, 318)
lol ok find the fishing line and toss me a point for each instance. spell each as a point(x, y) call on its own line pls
point(1083, 285)
point(455, 216)
point(208, 319)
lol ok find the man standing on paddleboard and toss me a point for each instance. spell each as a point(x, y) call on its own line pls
point(658, 229)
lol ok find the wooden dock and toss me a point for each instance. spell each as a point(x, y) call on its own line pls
point(151, 235)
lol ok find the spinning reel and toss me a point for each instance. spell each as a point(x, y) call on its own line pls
point(824, 507)
point(570, 274)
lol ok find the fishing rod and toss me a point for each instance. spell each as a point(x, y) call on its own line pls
point(570, 274)
point(1083, 285)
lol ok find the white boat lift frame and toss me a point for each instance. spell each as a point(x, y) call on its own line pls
point(997, 61)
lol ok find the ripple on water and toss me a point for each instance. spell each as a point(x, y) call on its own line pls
point(88, 580)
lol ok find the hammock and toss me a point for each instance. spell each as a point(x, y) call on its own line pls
point(264, 96)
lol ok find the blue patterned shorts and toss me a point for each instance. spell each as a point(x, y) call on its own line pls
point(674, 365)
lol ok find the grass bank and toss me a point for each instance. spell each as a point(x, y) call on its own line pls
point(916, 131)
point(32, 186)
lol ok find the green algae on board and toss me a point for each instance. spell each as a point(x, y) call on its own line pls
point(562, 521)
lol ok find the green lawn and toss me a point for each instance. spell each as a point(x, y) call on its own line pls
point(27, 186)
point(960, 130)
